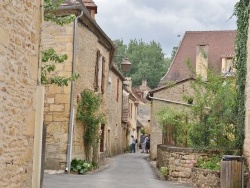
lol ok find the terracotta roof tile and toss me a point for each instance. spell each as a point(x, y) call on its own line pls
point(220, 44)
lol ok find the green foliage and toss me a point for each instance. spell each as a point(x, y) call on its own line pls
point(87, 112)
point(241, 11)
point(175, 125)
point(164, 171)
point(49, 60)
point(214, 112)
point(50, 6)
point(209, 123)
point(82, 166)
point(49, 56)
point(147, 60)
point(212, 162)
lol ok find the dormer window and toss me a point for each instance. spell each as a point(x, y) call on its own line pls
point(227, 68)
point(202, 61)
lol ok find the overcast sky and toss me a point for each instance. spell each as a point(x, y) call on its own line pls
point(163, 20)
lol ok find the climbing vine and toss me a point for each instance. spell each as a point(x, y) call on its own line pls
point(88, 114)
point(241, 11)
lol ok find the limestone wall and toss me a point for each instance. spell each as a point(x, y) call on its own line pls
point(57, 99)
point(247, 105)
point(180, 162)
point(116, 143)
point(175, 94)
point(19, 49)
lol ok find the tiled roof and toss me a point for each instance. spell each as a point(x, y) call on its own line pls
point(90, 4)
point(220, 44)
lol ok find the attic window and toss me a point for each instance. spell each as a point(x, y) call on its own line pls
point(227, 66)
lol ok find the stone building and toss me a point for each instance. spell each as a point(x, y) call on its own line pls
point(20, 93)
point(129, 113)
point(246, 149)
point(204, 50)
point(90, 53)
point(114, 131)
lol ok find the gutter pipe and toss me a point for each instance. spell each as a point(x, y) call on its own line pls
point(71, 120)
point(164, 100)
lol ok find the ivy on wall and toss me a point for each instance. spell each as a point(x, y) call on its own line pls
point(88, 114)
point(241, 11)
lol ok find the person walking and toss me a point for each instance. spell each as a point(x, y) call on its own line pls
point(144, 149)
point(132, 147)
point(142, 143)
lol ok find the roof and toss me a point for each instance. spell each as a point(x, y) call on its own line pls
point(220, 44)
point(168, 86)
point(90, 5)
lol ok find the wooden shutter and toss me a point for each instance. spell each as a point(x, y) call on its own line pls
point(96, 70)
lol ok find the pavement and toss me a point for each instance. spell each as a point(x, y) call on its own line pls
point(129, 170)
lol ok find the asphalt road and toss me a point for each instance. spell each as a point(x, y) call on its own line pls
point(130, 170)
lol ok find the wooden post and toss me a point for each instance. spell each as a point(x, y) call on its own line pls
point(232, 172)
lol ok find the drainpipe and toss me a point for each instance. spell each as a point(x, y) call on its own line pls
point(71, 120)
point(165, 100)
point(39, 106)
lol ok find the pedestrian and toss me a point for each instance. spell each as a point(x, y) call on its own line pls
point(148, 144)
point(141, 141)
point(144, 144)
point(132, 146)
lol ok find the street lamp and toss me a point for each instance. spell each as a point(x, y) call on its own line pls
point(125, 65)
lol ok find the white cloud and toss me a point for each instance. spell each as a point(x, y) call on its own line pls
point(162, 20)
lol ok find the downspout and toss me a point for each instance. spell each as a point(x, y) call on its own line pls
point(71, 120)
point(37, 173)
point(165, 100)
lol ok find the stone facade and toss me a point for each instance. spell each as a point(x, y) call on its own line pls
point(114, 131)
point(19, 56)
point(168, 96)
point(57, 99)
point(180, 163)
point(93, 62)
point(247, 105)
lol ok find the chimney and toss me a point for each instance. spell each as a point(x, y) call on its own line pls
point(144, 83)
point(202, 61)
point(91, 6)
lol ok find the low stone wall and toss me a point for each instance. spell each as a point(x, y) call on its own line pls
point(205, 178)
point(180, 163)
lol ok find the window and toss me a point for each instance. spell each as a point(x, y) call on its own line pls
point(202, 61)
point(96, 70)
point(227, 66)
point(102, 138)
point(99, 82)
point(103, 75)
point(117, 89)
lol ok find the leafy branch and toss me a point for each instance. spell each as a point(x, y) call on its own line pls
point(50, 7)
point(49, 59)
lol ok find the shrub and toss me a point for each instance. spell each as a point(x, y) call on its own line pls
point(82, 166)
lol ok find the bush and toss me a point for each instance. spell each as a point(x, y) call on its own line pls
point(211, 162)
point(82, 166)
point(164, 171)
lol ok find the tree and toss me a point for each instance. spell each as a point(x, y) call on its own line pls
point(147, 60)
point(213, 112)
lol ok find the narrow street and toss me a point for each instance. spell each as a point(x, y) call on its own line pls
point(130, 170)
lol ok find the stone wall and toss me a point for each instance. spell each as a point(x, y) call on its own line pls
point(19, 50)
point(180, 163)
point(175, 94)
point(115, 112)
point(57, 99)
point(247, 105)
